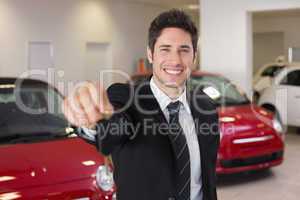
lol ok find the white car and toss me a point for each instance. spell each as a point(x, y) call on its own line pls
point(283, 96)
point(264, 77)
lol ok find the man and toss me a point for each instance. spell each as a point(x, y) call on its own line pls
point(163, 139)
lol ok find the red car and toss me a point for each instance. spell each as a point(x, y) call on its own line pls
point(251, 137)
point(41, 156)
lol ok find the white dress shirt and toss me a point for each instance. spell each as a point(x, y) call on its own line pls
point(187, 123)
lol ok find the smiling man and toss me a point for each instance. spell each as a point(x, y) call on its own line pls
point(169, 149)
point(172, 57)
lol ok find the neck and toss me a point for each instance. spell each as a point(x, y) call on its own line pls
point(172, 92)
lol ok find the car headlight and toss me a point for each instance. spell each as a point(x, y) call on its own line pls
point(277, 125)
point(227, 119)
point(104, 178)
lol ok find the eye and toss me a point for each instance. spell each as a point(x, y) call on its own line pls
point(184, 50)
point(165, 50)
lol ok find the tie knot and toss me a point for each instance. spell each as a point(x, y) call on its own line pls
point(173, 107)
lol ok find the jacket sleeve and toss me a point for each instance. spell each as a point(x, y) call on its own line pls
point(212, 146)
point(116, 131)
point(213, 120)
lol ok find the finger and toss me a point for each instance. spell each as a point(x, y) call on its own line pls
point(68, 113)
point(104, 104)
point(94, 93)
point(89, 106)
point(76, 108)
point(74, 102)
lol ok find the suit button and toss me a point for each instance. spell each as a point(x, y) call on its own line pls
point(171, 198)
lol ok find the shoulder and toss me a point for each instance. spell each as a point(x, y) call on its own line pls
point(119, 93)
point(125, 90)
point(124, 93)
point(207, 114)
point(202, 100)
point(118, 89)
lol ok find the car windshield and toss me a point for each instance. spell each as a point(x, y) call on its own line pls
point(229, 94)
point(272, 70)
point(31, 113)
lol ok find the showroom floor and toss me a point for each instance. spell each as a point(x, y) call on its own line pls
point(279, 183)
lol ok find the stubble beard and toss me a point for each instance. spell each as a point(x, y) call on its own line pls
point(170, 87)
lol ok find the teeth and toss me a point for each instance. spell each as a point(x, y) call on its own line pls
point(175, 72)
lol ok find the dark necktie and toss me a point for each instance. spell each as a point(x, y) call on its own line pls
point(181, 151)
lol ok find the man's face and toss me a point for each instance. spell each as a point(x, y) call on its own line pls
point(172, 58)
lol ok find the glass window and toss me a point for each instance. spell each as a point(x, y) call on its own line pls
point(272, 70)
point(30, 113)
point(292, 78)
point(229, 93)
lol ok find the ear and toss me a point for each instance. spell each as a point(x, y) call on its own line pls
point(149, 55)
point(195, 57)
point(195, 61)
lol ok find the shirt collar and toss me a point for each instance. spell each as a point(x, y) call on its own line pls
point(164, 100)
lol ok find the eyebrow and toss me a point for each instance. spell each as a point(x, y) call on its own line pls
point(164, 46)
point(185, 46)
point(168, 46)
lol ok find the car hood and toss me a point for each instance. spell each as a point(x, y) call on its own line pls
point(244, 118)
point(46, 163)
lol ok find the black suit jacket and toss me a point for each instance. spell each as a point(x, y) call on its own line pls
point(141, 149)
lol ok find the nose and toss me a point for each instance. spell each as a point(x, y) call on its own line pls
point(175, 57)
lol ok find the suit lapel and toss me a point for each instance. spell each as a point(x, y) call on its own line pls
point(198, 120)
point(202, 140)
point(148, 102)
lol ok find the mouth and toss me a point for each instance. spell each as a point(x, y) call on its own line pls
point(173, 71)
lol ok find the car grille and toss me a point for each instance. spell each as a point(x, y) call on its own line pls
point(252, 160)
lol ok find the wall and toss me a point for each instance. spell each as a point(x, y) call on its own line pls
point(226, 36)
point(289, 25)
point(131, 23)
point(267, 46)
point(69, 24)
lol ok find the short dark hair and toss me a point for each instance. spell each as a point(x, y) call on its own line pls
point(172, 18)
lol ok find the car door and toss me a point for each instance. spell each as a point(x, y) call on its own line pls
point(292, 83)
